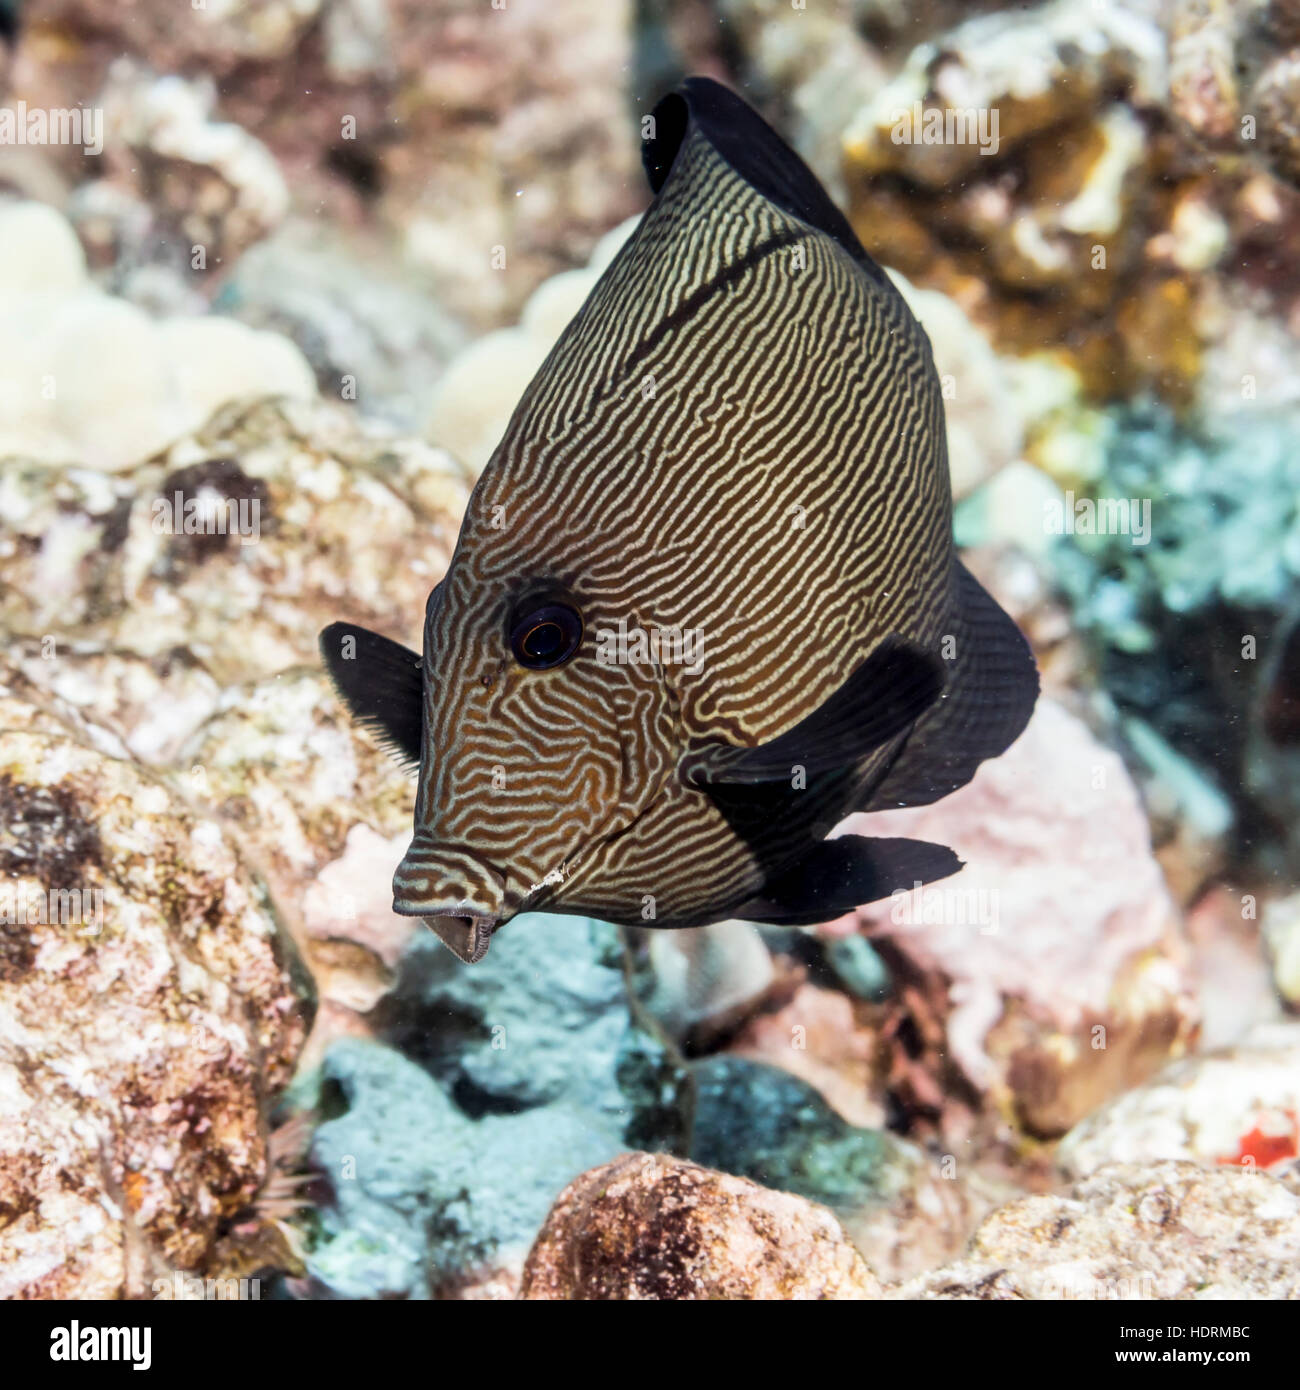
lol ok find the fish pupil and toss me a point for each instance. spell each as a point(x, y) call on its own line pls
point(544, 640)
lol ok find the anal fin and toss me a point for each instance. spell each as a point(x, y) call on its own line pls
point(838, 875)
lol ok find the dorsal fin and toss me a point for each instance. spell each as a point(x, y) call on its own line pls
point(754, 151)
point(380, 682)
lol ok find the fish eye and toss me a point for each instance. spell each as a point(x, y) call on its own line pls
point(544, 634)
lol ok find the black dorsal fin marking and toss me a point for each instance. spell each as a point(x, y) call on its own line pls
point(990, 696)
point(838, 875)
point(892, 688)
point(381, 684)
point(755, 152)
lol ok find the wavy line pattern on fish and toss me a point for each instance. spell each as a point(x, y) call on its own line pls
point(740, 436)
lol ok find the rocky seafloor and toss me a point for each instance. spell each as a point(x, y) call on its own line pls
point(1070, 1072)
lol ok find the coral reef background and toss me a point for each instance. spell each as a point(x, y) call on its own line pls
point(296, 267)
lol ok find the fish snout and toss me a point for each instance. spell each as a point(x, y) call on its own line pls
point(435, 878)
point(460, 895)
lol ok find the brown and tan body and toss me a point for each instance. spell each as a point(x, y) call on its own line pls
point(739, 436)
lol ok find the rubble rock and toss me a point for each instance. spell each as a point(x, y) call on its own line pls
point(1239, 1105)
point(290, 516)
point(520, 1072)
point(490, 146)
point(651, 1227)
point(1048, 169)
point(819, 1038)
point(146, 706)
point(903, 1211)
point(1035, 976)
point(148, 1016)
point(212, 188)
point(329, 812)
point(1133, 1231)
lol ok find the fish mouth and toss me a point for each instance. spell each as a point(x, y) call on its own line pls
point(460, 896)
point(465, 935)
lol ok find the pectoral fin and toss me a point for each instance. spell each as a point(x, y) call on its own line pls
point(380, 682)
point(836, 876)
point(892, 688)
point(989, 697)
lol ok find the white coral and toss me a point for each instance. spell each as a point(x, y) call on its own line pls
point(89, 378)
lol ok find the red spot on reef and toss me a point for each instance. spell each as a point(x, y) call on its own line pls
point(1262, 1148)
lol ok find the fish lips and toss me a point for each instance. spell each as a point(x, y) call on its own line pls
point(466, 937)
point(458, 894)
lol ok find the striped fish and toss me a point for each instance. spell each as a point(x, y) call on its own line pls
point(704, 602)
